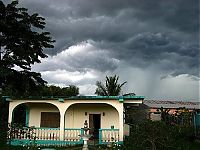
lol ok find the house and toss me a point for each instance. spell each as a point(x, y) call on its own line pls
point(172, 106)
point(59, 121)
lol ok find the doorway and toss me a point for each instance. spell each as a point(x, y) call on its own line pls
point(95, 124)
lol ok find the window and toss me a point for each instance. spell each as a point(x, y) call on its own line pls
point(50, 119)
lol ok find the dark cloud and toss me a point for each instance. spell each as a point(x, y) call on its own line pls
point(145, 34)
point(116, 20)
point(147, 49)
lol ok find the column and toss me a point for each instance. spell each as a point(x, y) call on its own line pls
point(121, 123)
point(62, 125)
point(11, 108)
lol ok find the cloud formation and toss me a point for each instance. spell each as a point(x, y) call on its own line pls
point(95, 38)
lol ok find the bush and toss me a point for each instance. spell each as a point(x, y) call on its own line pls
point(157, 135)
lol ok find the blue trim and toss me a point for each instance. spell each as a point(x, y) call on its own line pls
point(27, 116)
point(109, 129)
point(121, 99)
point(47, 128)
point(63, 98)
point(73, 129)
point(100, 136)
point(16, 142)
point(106, 143)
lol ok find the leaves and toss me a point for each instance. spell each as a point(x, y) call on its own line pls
point(23, 46)
point(22, 41)
point(111, 87)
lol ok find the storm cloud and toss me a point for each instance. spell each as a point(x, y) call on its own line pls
point(95, 38)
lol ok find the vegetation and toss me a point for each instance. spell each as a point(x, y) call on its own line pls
point(22, 41)
point(158, 135)
point(45, 90)
point(52, 90)
point(111, 87)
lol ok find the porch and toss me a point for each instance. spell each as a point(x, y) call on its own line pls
point(51, 136)
point(59, 121)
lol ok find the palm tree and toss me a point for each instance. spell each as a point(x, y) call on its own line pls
point(111, 87)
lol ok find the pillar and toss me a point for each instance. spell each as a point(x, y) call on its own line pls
point(62, 125)
point(121, 122)
point(10, 112)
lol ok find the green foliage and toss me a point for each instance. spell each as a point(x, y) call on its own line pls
point(182, 116)
point(27, 85)
point(111, 87)
point(52, 90)
point(22, 40)
point(158, 135)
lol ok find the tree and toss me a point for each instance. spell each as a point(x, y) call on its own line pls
point(111, 87)
point(165, 116)
point(52, 90)
point(71, 90)
point(22, 41)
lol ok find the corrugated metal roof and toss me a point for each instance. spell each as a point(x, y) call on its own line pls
point(171, 104)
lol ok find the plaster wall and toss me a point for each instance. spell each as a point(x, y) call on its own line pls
point(35, 112)
point(77, 114)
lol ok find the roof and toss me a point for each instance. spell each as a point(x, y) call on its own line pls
point(171, 104)
point(63, 98)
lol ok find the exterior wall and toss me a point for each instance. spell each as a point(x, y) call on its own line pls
point(75, 115)
point(64, 105)
point(35, 112)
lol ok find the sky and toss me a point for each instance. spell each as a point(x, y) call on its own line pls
point(153, 45)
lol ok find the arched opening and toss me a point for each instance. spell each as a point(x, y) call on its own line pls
point(20, 115)
point(37, 115)
point(44, 117)
point(98, 116)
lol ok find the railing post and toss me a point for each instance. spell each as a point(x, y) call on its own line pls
point(100, 136)
point(62, 125)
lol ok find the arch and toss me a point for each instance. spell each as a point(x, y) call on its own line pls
point(100, 102)
point(21, 119)
point(34, 111)
point(77, 113)
point(19, 103)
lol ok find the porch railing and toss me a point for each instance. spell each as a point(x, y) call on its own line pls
point(44, 136)
point(108, 136)
point(51, 136)
point(47, 134)
point(73, 135)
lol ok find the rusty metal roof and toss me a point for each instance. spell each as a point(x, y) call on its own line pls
point(171, 104)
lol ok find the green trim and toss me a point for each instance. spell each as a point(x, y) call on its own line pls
point(27, 116)
point(121, 99)
point(100, 136)
point(6, 98)
point(73, 129)
point(47, 128)
point(16, 142)
point(62, 98)
point(106, 143)
point(109, 129)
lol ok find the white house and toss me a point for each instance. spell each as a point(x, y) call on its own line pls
point(60, 120)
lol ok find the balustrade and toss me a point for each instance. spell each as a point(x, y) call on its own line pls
point(47, 133)
point(72, 134)
point(108, 136)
